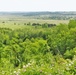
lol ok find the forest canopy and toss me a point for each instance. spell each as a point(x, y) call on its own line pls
point(38, 50)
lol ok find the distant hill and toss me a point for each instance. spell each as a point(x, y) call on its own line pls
point(43, 15)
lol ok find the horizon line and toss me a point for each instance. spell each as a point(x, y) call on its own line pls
point(37, 11)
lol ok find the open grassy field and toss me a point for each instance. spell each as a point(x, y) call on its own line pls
point(17, 20)
point(41, 21)
point(19, 23)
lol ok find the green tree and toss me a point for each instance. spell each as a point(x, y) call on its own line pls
point(72, 24)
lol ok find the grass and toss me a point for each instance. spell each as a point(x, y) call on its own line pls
point(19, 20)
point(11, 26)
point(46, 21)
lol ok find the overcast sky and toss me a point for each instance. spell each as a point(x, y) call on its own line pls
point(37, 5)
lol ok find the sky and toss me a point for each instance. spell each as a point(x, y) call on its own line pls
point(37, 5)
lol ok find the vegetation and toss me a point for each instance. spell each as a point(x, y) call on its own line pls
point(38, 49)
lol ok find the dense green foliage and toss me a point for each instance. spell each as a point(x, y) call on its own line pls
point(38, 50)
